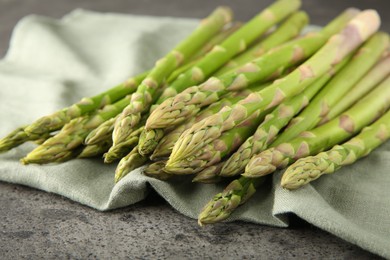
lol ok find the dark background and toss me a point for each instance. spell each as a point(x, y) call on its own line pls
point(36, 224)
point(321, 11)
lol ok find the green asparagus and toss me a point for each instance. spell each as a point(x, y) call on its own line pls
point(164, 148)
point(324, 136)
point(224, 203)
point(234, 44)
point(341, 84)
point(175, 110)
point(118, 151)
point(156, 170)
point(15, 138)
point(378, 73)
point(130, 162)
point(339, 46)
point(273, 124)
point(311, 168)
point(94, 150)
point(286, 31)
point(65, 144)
point(146, 91)
point(215, 151)
point(209, 174)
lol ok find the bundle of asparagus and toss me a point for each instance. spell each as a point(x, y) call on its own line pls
point(236, 98)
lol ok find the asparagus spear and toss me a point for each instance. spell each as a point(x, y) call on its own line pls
point(290, 28)
point(156, 139)
point(234, 44)
point(272, 125)
point(149, 140)
point(378, 73)
point(224, 203)
point(94, 150)
point(164, 148)
point(130, 162)
point(58, 119)
point(15, 138)
point(156, 170)
point(44, 125)
point(175, 110)
point(64, 145)
point(286, 31)
point(220, 37)
point(101, 133)
point(99, 140)
point(341, 84)
point(338, 46)
point(209, 175)
point(146, 91)
point(118, 151)
point(216, 40)
point(311, 168)
point(324, 136)
point(215, 151)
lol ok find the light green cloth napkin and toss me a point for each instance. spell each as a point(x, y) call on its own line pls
point(53, 63)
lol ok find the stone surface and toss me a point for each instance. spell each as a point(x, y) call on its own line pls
point(38, 225)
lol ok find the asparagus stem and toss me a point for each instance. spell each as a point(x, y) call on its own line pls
point(377, 74)
point(335, 50)
point(286, 31)
point(223, 204)
point(215, 151)
point(216, 40)
point(101, 133)
point(143, 98)
point(209, 175)
point(234, 44)
point(324, 136)
point(184, 105)
point(58, 119)
point(17, 137)
point(130, 162)
point(311, 168)
point(66, 143)
point(156, 170)
point(118, 151)
point(94, 150)
point(273, 124)
point(341, 84)
point(162, 146)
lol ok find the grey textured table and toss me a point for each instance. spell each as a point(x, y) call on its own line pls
point(36, 224)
